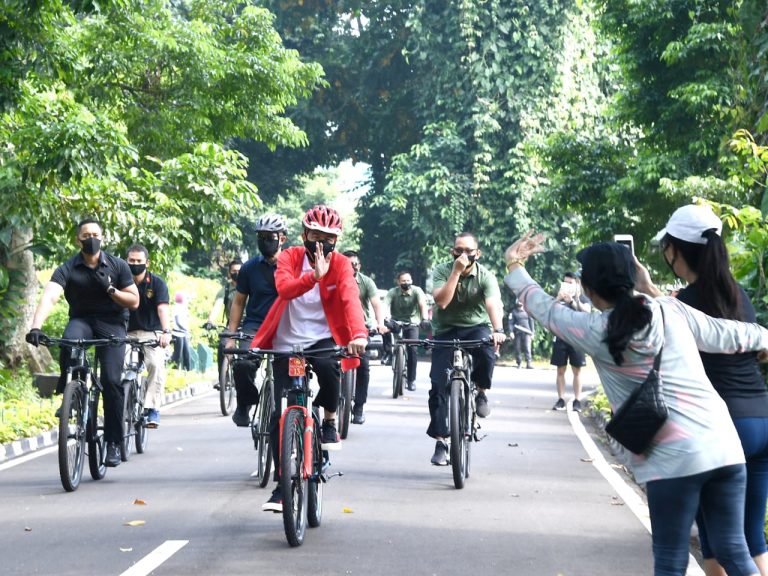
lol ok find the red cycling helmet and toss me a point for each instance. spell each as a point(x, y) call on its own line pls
point(323, 219)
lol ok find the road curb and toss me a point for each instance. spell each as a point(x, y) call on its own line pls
point(22, 446)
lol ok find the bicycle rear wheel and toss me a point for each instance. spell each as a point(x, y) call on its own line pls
point(226, 387)
point(315, 483)
point(457, 408)
point(266, 404)
point(97, 447)
point(292, 481)
point(138, 419)
point(398, 370)
point(345, 401)
point(129, 400)
point(72, 434)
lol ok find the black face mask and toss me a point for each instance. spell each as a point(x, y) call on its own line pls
point(405, 286)
point(137, 269)
point(310, 247)
point(268, 248)
point(470, 257)
point(91, 245)
point(234, 276)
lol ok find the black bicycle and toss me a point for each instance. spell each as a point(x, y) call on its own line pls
point(303, 463)
point(79, 419)
point(262, 412)
point(134, 385)
point(399, 356)
point(462, 417)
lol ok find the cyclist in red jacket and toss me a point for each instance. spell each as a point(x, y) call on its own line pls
point(317, 306)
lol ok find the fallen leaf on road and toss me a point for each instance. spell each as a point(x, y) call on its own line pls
point(139, 502)
point(515, 495)
point(347, 510)
point(515, 445)
point(27, 529)
point(135, 523)
point(587, 459)
point(126, 549)
point(616, 502)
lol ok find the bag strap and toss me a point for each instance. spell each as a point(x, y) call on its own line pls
point(657, 360)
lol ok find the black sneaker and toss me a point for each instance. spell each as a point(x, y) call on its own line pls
point(481, 405)
point(518, 365)
point(411, 385)
point(241, 416)
point(559, 405)
point(529, 366)
point(329, 438)
point(576, 405)
point(440, 457)
point(113, 455)
point(275, 502)
point(357, 415)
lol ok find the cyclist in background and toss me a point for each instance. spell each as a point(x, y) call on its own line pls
point(99, 289)
point(222, 304)
point(467, 307)
point(153, 315)
point(369, 294)
point(254, 295)
point(408, 303)
point(317, 306)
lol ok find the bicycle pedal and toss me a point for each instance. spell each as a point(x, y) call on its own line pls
point(329, 476)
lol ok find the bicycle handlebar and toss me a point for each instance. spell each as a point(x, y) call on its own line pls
point(80, 342)
point(429, 343)
point(243, 336)
point(334, 352)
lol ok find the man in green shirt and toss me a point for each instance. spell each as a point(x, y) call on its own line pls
point(369, 298)
point(467, 307)
point(408, 303)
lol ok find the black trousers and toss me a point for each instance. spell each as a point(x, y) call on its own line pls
point(328, 374)
point(110, 359)
point(363, 378)
point(483, 362)
point(244, 374)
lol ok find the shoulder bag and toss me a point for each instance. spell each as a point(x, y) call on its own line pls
point(635, 424)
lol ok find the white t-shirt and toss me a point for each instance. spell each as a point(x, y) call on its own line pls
point(304, 322)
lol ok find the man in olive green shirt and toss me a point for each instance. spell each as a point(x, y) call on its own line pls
point(369, 298)
point(408, 303)
point(467, 307)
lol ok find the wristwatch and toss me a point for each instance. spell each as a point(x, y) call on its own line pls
point(111, 290)
point(166, 330)
point(499, 330)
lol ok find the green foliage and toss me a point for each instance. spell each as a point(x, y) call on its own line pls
point(122, 110)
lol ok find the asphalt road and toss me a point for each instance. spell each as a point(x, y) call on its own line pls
point(535, 504)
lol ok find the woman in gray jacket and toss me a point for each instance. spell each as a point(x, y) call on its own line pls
point(695, 460)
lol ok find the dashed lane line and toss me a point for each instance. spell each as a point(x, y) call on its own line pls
point(155, 558)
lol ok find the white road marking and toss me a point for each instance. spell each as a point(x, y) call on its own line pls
point(152, 560)
point(625, 492)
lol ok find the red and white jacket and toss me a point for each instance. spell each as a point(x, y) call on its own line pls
point(338, 293)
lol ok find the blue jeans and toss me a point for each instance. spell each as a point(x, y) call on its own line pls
point(754, 440)
point(673, 504)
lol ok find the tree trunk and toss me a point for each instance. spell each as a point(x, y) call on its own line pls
point(23, 295)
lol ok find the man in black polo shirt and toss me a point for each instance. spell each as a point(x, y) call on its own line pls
point(255, 294)
point(153, 316)
point(99, 289)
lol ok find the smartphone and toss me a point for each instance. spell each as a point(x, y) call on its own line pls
point(569, 288)
point(627, 240)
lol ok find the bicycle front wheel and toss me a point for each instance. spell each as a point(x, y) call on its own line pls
point(72, 434)
point(345, 402)
point(97, 447)
point(457, 424)
point(315, 484)
point(129, 400)
point(138, 420)
point(398, 370)
point(226, 387)
point(261, 432)
point(292, 481)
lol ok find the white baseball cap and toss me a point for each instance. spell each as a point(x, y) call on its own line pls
point(690, 222)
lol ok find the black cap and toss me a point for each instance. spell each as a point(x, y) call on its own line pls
point(607, 265)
